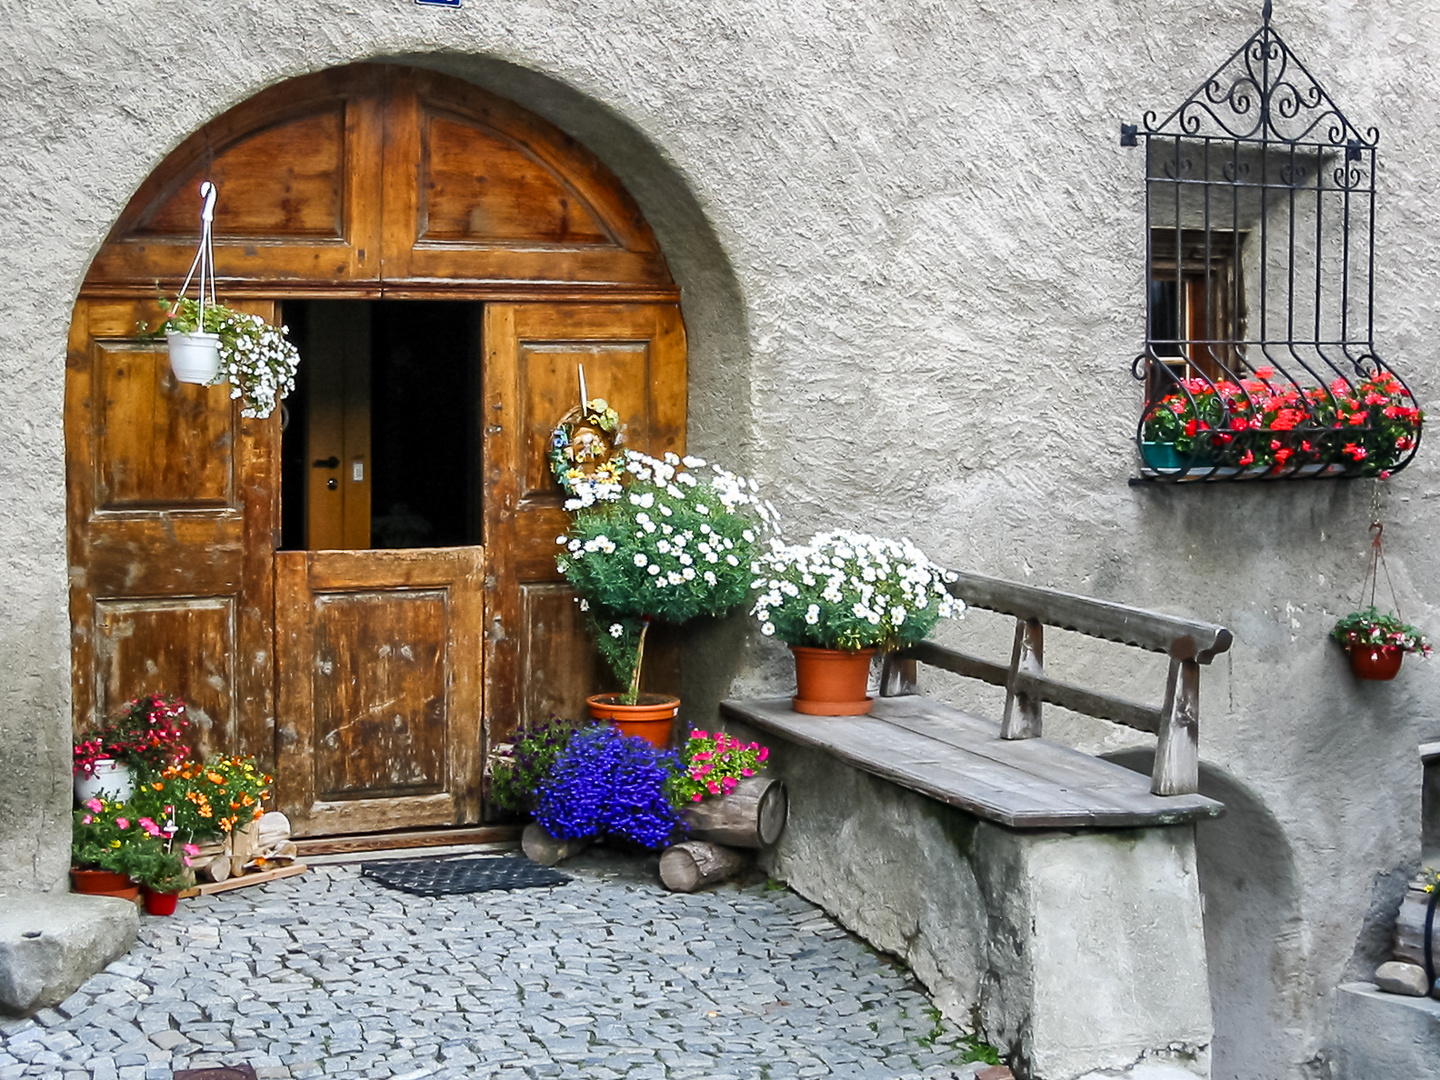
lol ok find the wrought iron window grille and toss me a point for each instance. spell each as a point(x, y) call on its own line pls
point(1259, 358)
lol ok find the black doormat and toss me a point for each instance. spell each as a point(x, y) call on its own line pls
point(441, 877)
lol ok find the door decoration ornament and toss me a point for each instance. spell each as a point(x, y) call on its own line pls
point(587, 455)
point(210, 343)
point(1378, 641)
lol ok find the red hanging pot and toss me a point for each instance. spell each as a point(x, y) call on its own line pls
point(1378, 662)
point(831, 682)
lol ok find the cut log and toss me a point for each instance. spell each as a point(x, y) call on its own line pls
point(751, 816)
point(539, 846)
point(216, 869)
point(244, 845)
point(697, 863)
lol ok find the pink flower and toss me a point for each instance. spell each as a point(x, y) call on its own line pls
point(696, 797)
point(86, 820)
point(191, 849)
point(763, 754)
point(95, 806)
point(186, 858)
point(713, 788)
point(123, 823)
point(747, 772)
point(729, 784)
point(696, 733)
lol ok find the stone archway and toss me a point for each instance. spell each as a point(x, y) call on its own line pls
point(374, 181)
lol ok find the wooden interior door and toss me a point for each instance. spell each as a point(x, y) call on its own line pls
point(172, 500)
point(337, 427)
point(538, 659)
point(379, 688)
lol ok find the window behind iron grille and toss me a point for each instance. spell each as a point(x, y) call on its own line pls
point(1259, 358)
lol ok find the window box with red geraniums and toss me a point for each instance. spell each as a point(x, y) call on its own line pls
point(1378, 641)
point(1366, 429)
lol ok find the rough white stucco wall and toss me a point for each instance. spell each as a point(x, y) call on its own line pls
point(936, 245)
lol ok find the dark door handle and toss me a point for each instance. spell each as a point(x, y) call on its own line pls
point(331, 462)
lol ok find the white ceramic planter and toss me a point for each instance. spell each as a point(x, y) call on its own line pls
point(110, 779)
point(195, 358)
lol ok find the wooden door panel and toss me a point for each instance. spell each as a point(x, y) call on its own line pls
point(477, 189)
point(476, 185)
point(379, 684)
point(160, 442)
point(156, 646)
point(618, 371)
point(562, 667)
point(286, 180)
point(171, 505)
point(538, 656)
point(381, 661)
point(298, 173)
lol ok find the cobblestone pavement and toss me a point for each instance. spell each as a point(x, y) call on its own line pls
point(331, 975)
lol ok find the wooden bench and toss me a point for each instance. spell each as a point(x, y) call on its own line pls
point(1005, 771)
point(1051, 894)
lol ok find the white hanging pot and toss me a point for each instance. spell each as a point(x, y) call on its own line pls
point(194, 357)
point(110, 779)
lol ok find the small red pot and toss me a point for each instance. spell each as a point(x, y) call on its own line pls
point(160, 903)
point(1376, 661)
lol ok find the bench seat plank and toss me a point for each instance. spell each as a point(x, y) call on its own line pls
point(960, 759)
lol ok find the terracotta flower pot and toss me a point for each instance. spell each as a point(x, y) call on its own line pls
point(103, 883)
point(160, 903)
point(651, 718)
point(831, 682)
point(1376, 661)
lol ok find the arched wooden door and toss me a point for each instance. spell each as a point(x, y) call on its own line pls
point(372, 681)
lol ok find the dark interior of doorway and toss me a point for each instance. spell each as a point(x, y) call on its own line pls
point(413, 371)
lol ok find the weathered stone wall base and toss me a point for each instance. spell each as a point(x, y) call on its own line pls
point(1074, 952)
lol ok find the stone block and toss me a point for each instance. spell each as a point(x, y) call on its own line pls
point(1398, 977)
point(50, 944)
point(1383, 1035)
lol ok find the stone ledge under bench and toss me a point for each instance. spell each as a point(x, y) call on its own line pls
point(1043, 895)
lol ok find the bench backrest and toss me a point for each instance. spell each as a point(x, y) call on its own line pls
point(1186, 642)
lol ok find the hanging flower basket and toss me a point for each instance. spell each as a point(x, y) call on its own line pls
point(1378, 640)
point(211, 343)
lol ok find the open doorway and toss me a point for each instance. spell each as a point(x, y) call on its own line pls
point(381, 445)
